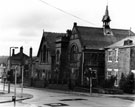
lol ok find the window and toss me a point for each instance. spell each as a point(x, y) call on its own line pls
point(57, 56)
point(45, 54)
point(116, 75)
point(109, 55)
point(109, 72)
point(116, 55)
point(73, 53)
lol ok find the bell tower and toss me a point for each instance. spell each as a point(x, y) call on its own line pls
point(106, 23)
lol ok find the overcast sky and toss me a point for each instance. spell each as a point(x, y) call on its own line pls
point(22, 21)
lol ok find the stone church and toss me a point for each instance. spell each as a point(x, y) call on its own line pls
point(80, 48)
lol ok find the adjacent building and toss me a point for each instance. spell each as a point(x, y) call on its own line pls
point(21, 63)
point(45, 70)
point(120, 58)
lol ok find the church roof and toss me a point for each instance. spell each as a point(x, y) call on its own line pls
point(94, 38)
point(50, 39)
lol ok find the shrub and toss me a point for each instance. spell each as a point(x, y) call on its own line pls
point(109, 83)
point(127, 83)
point(122, 82)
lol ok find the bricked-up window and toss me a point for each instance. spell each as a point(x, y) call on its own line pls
point(116, 54)
point(110, 53)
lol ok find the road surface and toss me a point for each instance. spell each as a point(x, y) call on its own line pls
point(53, 98)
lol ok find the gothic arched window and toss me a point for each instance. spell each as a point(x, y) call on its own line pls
point(58, 56)
point(45, 54)
point(73, 53)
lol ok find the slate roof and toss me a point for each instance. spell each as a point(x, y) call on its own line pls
point(50, 38)
point(19, 56)
point(94, 38)
point(120, 44)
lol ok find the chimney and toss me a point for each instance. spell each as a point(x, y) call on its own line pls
point(69, 32)
point(75, 24)
point(13, 52)
point(31, 52)
point(21, 49)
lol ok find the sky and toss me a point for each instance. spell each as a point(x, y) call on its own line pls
point(22, 21)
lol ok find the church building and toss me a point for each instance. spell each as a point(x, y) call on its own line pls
point(71, 54)
point(86, 49)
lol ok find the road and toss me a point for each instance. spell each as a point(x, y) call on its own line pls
point(51, 98)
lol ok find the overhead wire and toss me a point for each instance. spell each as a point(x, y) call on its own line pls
point(67, 12)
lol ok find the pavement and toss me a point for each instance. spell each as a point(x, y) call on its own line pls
point(7, 97)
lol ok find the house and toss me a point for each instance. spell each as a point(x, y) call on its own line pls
point(46, 58)
point(20, 61)
point(2, 70)
point(120, 58)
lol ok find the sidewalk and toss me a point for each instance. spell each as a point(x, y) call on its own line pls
point(7, 97)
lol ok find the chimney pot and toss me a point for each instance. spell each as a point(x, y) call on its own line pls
point(13, 52)
point(75, 24)
point(21, 49)
point(31, 52)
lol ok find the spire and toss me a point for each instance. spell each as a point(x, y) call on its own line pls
point(106, 23)
point(106, 18)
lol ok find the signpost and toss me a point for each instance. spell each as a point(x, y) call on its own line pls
point(92, 75)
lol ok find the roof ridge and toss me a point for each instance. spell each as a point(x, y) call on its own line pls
point(54, 32)
point(90, 27)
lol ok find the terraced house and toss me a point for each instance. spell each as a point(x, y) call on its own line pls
point(120, 58)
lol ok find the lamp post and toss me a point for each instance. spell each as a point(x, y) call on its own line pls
point(22, 81)
point(10, 65)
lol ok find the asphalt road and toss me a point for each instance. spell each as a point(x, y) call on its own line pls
point(53, 98)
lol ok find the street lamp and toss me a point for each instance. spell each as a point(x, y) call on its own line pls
point(10, 56)
point(10, 65)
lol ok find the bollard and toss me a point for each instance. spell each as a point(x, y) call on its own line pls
point(14, 100)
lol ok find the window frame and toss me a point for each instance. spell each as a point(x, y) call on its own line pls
point(116, 54)
point(110, 56)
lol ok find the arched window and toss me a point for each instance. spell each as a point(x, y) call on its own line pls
point(44, 53)
point(58, 56)
point(73, 53)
